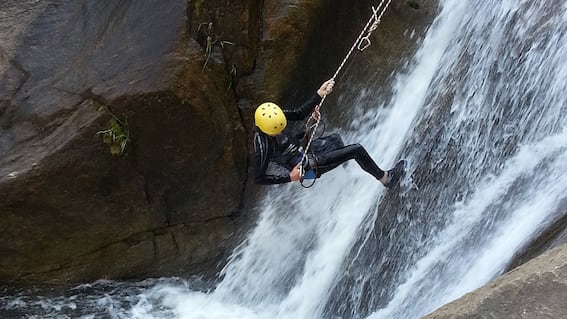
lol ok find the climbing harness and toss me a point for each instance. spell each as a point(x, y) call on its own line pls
point(361, 43)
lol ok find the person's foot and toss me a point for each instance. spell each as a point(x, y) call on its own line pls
point(384, 178)
point(392, 176)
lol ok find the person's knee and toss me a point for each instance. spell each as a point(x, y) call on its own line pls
point(358, 147)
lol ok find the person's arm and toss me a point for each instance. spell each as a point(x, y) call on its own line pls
point(261, 162)
point(304, 110)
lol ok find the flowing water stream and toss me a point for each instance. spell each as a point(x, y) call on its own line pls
point(480, 114)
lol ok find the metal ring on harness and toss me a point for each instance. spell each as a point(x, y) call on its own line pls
point(310, 174)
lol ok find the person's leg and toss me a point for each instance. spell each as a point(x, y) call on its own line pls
point(327, 161)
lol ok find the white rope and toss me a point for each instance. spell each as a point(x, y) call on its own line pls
point(375, 20)
point(361, 43)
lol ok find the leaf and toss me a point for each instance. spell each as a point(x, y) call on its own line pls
point(115, 149)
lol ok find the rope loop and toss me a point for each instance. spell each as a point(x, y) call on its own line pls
point(364, 42)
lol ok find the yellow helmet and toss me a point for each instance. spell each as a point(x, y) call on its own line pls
point(270, 119)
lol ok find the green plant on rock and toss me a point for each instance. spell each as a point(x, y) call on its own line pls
point(198, 4)
point(117, 136)
point(212, 40)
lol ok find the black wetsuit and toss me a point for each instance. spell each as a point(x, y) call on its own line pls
point(276, 156)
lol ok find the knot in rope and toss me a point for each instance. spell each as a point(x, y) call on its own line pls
point(376, 17)
point(364, 42)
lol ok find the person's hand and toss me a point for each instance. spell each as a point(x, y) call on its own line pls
point(326, 88)
point(294, 173)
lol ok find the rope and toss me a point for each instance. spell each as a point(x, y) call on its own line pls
point(361, 43)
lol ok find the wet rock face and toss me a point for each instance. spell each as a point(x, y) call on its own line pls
point(70, 209)
point(537, 289)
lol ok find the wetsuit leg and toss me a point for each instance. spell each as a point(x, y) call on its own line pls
point(327, 161)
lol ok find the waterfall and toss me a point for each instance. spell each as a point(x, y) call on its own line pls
point(479, 113)
point(487, 155)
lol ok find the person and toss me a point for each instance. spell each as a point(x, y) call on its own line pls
point(278, 152)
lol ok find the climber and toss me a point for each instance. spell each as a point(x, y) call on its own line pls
point(278, 152)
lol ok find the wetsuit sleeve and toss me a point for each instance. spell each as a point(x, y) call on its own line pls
point(261, 163)
point(304, 110)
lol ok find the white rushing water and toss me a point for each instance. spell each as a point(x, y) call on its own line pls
point(481, 116)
